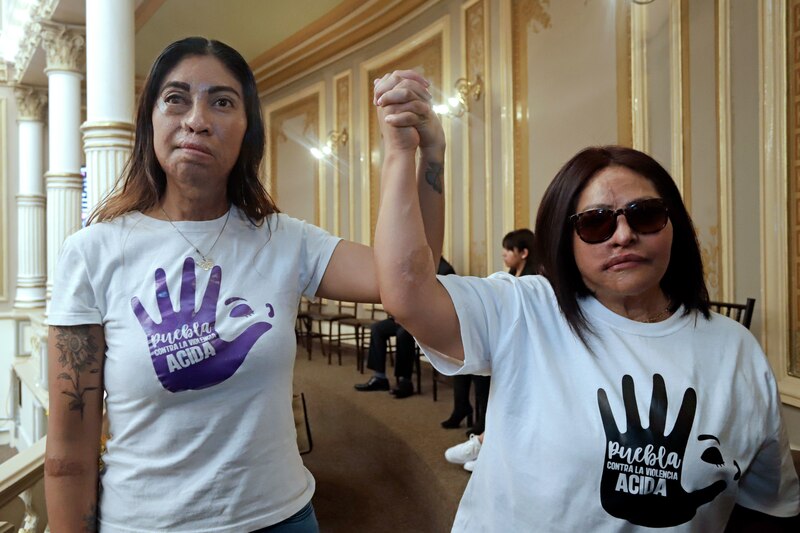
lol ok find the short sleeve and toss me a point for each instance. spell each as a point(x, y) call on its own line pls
point(74, 300)
point(770, 484)
point(483, 305)
point(317, 246)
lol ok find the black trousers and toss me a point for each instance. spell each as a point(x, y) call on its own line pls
point(461, 403)
point(404, 353)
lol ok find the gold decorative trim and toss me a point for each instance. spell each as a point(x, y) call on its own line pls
point(428, 50)
point(349, 26)
point(679, 95)
point(709, 253)
point(107, 125)
point(792, 160)
point(639, 98)
point(308, 102)
point(343, 120)
point(57, 174)
point(624, 105)
point(507, 121)
point(4, 217)
point(778, 304)
point(474, 63)
point(524, 13)
point(725, 148)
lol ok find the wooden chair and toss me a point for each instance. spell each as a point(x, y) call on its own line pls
point(322, 315)
point(742, 313)
point(303, 328)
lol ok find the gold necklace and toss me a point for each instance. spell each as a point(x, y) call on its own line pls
point(207, 263)
point(658, 317)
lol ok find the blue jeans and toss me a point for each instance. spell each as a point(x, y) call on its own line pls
point(303, 521)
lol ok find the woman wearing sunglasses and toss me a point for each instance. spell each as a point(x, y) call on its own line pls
point(619, 402)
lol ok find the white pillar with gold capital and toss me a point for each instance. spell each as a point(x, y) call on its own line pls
point(108, 130)
point(65, 58)
point(31, 265)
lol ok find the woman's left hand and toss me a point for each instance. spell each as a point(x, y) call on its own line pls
point(404, 101)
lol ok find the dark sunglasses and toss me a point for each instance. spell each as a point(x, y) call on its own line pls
point(643, 216)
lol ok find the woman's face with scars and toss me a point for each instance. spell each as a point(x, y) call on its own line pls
point(199, 121)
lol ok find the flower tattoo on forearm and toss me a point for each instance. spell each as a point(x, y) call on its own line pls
point(77, 354)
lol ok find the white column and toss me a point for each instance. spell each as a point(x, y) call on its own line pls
point(31, 266)
point(64, 47)
point(108, 130)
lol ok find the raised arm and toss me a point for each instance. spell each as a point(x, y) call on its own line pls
point(351, 271)
point(409, 233)
point(73, 435)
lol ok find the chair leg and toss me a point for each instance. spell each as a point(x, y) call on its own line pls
point(309, 324)
point(418, 365)
point(322, 339)
point(339, 342)
point(435, 387)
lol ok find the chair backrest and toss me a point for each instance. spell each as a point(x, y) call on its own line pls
point(742, 313)
point(377, 312)
point(306, 305)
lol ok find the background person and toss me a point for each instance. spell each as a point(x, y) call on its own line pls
point(517, 256)
point(612, 379)
point(180, 302)
point(405, 352)
point(518, 248)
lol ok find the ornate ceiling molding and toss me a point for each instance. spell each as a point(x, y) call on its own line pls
point(351, 25)
point(41, 12)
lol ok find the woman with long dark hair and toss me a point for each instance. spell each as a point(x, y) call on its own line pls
point(179, 301)
point(619, 401)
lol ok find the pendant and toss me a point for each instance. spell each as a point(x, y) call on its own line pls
point(206, 264)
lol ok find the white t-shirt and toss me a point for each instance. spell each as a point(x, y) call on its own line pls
point(198, 367)
point(571, 442)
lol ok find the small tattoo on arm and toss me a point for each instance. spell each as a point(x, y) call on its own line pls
point(90, 520)
point(77, 353)
point(433, 175)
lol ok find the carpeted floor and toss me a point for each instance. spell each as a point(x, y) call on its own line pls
point(378, 461)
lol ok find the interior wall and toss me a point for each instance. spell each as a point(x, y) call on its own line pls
point(700, 111)
point(572, 94)
point(8, 191)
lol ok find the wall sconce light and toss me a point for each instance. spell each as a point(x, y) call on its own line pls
point(459, 104)
point(642, 2)
point(334, 138)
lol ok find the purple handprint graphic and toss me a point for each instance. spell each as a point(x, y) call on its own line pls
point(186, 350)
point(642, 467)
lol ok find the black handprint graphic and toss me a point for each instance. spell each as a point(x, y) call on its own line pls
point(642, 468)
point(185, 348)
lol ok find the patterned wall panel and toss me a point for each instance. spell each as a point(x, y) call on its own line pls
point(304, 116)
point(426, 58)
point(793, 123)
point(525, 15)
point(343, 212)
point(477, 156)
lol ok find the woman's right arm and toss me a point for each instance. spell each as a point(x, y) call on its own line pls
point(72, 455)
point(404, 256)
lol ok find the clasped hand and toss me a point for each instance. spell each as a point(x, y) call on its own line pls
point(405, 115)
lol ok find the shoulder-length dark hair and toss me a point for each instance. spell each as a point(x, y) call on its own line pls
point(683, 283)
point(143, 181)
point(521, 239)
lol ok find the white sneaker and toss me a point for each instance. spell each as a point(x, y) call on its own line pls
point(469, 466)
point(466, 451)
